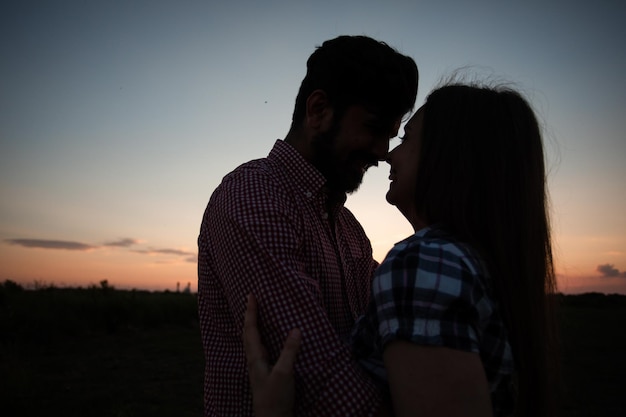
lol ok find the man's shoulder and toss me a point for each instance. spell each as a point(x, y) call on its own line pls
point(253, 187)
point(254, 174)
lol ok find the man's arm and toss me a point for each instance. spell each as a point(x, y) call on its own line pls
point(273, 387)
point(269, 265)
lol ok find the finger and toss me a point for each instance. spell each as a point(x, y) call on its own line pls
point(254, 349)
point(288, 355)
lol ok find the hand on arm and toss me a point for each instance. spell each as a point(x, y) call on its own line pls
point(435, 380)
point(273, 388)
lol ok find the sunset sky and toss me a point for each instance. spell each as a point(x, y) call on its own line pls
point(119, 118)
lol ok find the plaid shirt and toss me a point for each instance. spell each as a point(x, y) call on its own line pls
point(433, 290)
point(267, 230)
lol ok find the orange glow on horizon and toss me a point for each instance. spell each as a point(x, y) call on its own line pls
point(30, 267)
point(125, 270)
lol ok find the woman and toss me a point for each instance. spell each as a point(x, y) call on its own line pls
point(460, 320)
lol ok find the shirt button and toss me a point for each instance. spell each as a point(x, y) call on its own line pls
point(308, 194)
point(325, 216)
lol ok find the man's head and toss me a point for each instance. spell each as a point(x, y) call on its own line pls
point(350, 104)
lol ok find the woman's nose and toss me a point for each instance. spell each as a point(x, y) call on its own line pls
point(388, 156)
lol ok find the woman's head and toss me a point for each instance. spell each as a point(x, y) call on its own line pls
point(479, 172)
point(481, 159)
point(468, 154)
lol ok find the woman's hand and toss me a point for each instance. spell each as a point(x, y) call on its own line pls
point(273, 387)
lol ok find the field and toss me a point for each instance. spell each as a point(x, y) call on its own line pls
point(99, 351)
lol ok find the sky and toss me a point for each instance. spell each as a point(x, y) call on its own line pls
point(119, 118)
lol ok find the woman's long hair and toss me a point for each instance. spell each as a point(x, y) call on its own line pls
point(482, 177)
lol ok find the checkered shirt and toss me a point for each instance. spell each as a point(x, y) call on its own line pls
point(433, 290)
point(267, 231)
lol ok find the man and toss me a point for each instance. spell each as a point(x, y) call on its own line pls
point(277, 228)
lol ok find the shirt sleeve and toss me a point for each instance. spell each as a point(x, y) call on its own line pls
point(430, 294)
point(256, 226)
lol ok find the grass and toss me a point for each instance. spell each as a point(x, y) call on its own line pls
point(99, 351)
point(593, 337)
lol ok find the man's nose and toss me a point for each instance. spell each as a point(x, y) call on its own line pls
point(381, 150)
point(390, 155)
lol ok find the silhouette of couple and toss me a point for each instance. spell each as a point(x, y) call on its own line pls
point(455, 321)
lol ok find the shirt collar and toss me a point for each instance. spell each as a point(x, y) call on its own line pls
point(302, 171)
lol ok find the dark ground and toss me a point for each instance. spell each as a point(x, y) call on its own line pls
point(593, 337)
point(105, 352)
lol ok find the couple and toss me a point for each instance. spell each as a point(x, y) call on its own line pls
point(456, 319)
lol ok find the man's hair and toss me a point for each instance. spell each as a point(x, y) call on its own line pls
point(358, 70)
point(481, 176)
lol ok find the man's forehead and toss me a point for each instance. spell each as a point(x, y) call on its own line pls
point(383, 118)
point(393, 124)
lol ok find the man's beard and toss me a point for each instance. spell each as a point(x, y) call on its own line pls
point(340, 178)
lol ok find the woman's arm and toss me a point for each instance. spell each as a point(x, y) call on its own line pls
point(436, 381)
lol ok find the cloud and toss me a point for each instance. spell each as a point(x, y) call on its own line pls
point(609, 271)
point(177, 252)
point(119, 243)
point(190, 257)
point(51, 244)
point(122, 243)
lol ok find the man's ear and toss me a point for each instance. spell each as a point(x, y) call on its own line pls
point(319, 112)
